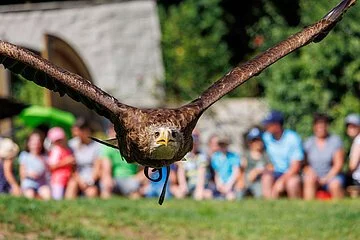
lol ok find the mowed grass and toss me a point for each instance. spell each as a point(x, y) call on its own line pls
point(120, 218)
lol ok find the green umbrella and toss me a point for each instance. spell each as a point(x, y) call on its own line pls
point(34, 116)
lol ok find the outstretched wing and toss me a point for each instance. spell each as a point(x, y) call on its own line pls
point(242, 73)
point(44, 73)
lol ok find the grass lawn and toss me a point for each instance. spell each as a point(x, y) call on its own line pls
point(120, 218)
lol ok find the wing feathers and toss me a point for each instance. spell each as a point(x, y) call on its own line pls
point(242, 73)
point(334, 16)
point(34, 68)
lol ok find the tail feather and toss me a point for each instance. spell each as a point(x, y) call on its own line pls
point(109, 142)
point(334, 16)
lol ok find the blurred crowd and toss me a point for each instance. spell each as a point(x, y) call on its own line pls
point(275, 163)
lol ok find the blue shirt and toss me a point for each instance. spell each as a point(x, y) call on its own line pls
point(284, 151)
point(223, 164)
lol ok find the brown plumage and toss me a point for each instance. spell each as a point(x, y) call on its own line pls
point(157, 137)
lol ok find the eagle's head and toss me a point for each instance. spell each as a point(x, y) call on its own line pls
point(165, 141)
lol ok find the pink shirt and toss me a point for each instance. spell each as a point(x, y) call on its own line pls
point(60, 175)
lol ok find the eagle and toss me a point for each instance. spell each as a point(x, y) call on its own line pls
point(158, 137)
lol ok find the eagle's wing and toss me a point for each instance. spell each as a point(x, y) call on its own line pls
point(34, 68)
point(242, 73)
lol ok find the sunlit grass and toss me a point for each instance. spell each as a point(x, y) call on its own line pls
point(120, 218)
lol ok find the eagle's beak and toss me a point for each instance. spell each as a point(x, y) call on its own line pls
point(163, 139)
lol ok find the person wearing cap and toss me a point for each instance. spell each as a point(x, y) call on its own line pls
point(8, 152)
point(33, 168)
point(353, 131)
point(226, 165)
point(324, 154)
point(285, 151)
point(61, 162)
point(253, 165)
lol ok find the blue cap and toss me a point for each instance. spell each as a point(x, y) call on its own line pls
point(273, 117)
point(254, 133)
point(353, 119)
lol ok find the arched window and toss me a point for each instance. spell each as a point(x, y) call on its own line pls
point(62, 54)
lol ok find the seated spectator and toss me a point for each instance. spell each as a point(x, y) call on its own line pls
point(353, 131)
point(324, 156)
point(226, 166)
point(33, 168)
point(284, 149)
point(192, 173)
point(117, 175)
point(253, 165)
point(177, 181)
point(88, 163)
point(61, 162)
point(8, 152)
point(212, 147)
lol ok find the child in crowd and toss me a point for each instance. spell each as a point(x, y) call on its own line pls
point(61, 162)
point(212, 147)
point(254, 163)
point(226, 166)
point(191, 173)
point(33, 168)
point(118, 176)
point(88, 161)
point(8, 152)
point(353, 131)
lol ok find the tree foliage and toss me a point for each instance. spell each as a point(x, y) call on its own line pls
point(27, 91)
point(194, 53)
point(323, 77)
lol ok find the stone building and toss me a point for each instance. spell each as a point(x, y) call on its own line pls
point(114, 44)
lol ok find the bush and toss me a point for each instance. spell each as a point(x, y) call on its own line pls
point(194, 52)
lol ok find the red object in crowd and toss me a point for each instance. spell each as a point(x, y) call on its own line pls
point(323, 195)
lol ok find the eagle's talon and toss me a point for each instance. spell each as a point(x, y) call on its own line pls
point(146, 172)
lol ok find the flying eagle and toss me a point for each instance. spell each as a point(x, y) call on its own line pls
point(156, 137)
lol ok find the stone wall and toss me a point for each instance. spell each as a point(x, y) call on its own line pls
point(232, 117)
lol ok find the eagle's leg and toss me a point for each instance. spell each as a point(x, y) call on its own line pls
point(146, 172)
point(163, 191)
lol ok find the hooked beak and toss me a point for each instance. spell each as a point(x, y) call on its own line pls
point(163, 139)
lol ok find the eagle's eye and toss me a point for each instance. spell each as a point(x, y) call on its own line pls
point(173, 134)
point(157, 134)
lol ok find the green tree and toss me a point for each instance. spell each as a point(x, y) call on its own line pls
point(194, 52)
point(322, 77)
point(29, 93)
